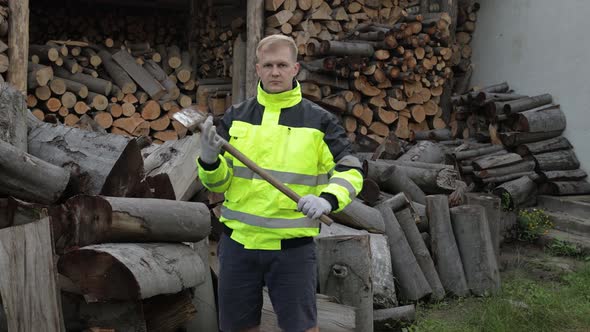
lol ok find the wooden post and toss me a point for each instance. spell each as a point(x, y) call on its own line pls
point(28, 281)
point(239, 71)
point(345, 273)
point(255, 28)
point(493, 209)
point(18, 43)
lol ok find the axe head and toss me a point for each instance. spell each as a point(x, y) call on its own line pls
point(190, 118)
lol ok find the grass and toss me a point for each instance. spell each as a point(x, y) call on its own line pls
point(556, 301)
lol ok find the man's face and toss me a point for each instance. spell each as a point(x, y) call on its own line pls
point(276, 68)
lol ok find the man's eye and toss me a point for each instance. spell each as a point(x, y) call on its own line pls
point(267, 66)
point(283, 65)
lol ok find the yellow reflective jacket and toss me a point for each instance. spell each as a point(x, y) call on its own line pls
point(300, 144)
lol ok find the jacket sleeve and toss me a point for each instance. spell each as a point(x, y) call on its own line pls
point(217, 177)
point(346, 175)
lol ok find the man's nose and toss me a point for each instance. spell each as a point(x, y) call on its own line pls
point(275, 71)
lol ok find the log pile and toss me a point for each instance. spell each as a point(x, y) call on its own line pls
point(521, 151)
point(378, 67)
point(119, 225)
point(461, 59)
point(4, 59)
point(127, 73)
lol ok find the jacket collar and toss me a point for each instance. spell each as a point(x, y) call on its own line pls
point(281, 100)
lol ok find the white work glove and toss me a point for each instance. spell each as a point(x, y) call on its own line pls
point(313, 206)
point(210, 142)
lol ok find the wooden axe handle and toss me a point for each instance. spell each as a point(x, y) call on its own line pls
point(269, 178)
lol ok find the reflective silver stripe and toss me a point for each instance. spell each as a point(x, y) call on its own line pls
point(350, 161)
point(254, 220)
point(345, 184)
point(220, 183)
point(284, 177)
point(230, 162)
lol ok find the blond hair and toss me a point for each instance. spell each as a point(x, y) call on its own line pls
point(276, 40)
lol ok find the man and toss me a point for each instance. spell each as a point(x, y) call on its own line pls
point(268, 239)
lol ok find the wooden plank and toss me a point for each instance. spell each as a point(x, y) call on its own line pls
point(18, 43)
point(255, 28)
point(28, 280)
point(139, 75)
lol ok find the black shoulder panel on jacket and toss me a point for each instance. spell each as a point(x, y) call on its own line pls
point(249, 111)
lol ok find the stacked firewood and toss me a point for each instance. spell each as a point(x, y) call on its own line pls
point(381, 69)
point(461, 59)
point(118, 222)
point(522, 151)
point(4, 61)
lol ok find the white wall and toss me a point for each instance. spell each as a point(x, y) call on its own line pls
point(540, 46)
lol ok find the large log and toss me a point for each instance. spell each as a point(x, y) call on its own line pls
point(408, 225)
point(132, 271)
point(565, 188)
point(445, 252)
point(424, 151)
point(321, 79)
point(345, 272)
point(109, 164)
point(411, 281)
point(203, 295)
point(394, 180)
point(550, 145)
point(149, 84)
point(468, 154)
point(556, 161)
point(383, 286)
point(28, 282)
point(168, 312)
point(13, 115)
point(329, 47)
point(523, 166)
point(100, 219)
point(171, 168)
point(331, 315)
point(544, 120)
point(374, 168)
point(517, 193)
point(471, 230)
point(29, 178)
point(512, 139)
point(524, 104)
point(493, 209)
point(571, 175)
point(501, 160)
point(385, 318)
point(360, 216)
point(18, 43)
point(93, 84)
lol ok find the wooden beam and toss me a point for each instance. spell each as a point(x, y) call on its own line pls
point(18, 43)
point(255, 28)
point(28, 282)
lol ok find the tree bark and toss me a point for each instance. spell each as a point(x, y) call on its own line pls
point(545, 120)
point(171, 168)
point(571, 175)
point(345, 273)
point(394, 180)
point(471, 230)
point(29, 178)
point(424, 151)
point(434, 134)
point(493, 209)
point(119, 76)
point(523, 166)
point(13, 115)
point(561, 160)
point(420, 251)
point(28, 282)
point(524, 104)
point(494, 161)
point(18, 44)
point(360, 216)
point(411, 281)
point(100, 219)
point(444, 247)
point(550, 145)
point(132, 271)
point(94, 84)
point(468, 154)
point(109, 164)
point(517, 192)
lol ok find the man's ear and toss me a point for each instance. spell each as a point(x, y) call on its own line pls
point(297, 67)
point(258, 69)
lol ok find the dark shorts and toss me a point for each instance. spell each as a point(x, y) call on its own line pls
point(290, 275)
